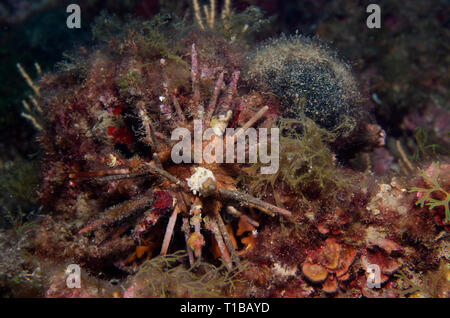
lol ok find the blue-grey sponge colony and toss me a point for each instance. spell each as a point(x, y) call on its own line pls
point(309, 79)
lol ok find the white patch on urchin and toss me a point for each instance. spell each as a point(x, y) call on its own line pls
point(219, 124)
point(196, 181)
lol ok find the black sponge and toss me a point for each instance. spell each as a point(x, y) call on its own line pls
point(309, 79)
